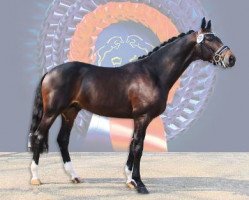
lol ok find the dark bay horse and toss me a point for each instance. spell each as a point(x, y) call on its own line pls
point(137, 90)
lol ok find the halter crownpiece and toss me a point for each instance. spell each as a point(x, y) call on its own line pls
point(201, 36)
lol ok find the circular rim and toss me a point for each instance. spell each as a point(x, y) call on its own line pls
point(196, 82)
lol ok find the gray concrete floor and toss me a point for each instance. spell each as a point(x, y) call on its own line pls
point(178, 176)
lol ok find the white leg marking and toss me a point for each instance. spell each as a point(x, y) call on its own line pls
point(70, 170)
point(34, 170)
point(128, 174)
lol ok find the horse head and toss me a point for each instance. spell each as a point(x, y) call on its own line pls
point(210, 47)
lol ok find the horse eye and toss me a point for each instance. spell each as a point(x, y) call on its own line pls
point(209, 38)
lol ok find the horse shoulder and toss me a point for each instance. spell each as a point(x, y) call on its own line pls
point(145, 94)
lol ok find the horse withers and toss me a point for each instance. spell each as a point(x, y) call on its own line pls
point(137, 90)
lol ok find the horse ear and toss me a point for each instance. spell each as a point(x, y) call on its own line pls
point(209, 25)
point(203, 23)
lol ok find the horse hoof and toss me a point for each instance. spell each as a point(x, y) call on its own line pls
point(132, 184)
point(77, 180)
point(142, 190)
point(35, 182)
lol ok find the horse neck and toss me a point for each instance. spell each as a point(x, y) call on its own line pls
point(174, 59)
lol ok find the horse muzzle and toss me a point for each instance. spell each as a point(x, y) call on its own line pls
point(224, 57)
point(229, 59)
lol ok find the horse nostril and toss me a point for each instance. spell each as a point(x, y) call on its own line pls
point(232, 60)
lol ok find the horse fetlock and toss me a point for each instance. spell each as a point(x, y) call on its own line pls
point(71, 172)
point(128, 173)
point(129, 181)
point(34, 171)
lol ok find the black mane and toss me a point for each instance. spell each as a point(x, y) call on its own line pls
point(164, 43)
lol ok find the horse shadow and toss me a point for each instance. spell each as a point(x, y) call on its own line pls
point(167, 185)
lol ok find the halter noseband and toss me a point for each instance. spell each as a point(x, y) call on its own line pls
point(217, 57)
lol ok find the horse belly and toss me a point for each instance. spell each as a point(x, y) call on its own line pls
point(110, 109)
point(106, 100)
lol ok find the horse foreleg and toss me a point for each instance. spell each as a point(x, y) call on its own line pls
point(63, 141)
point(38, 145)
point(128, 167)
point(141, 124)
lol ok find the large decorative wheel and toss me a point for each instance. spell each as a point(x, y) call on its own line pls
point(78, 30)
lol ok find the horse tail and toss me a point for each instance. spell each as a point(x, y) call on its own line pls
point(36, 115)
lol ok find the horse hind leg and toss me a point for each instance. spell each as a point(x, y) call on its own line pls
point(40, 136)
point(68, 118)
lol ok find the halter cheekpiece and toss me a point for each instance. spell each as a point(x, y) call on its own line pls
point(217, 57)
